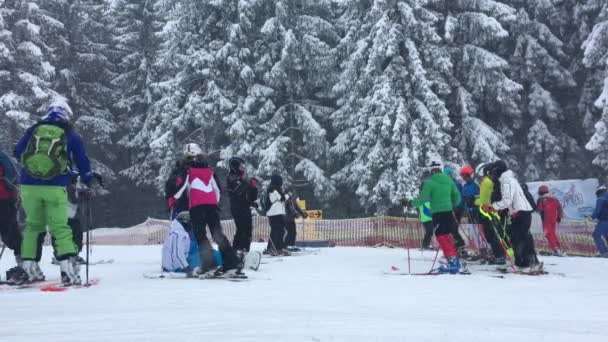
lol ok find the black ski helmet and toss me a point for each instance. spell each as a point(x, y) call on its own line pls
point(235, 163)
point(497, 168)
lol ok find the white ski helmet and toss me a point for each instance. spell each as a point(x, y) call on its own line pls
point(480, 169)
point(435, 164)
point(192, 150)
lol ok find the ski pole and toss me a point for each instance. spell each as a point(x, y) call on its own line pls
point(89, 224)
point(2, 251)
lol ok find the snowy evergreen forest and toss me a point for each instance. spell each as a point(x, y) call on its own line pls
point(348, 99)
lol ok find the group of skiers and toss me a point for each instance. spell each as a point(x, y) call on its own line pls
point(193, 194)
point(501, 206)
point(53, 165)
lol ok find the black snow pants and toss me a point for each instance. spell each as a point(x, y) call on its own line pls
point(277, 233)
point(9, 229)
point(428, 233)
point(290, 240)
point(244, 228)
point(204, 216)
point(521, 239)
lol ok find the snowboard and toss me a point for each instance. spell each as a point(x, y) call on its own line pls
point(253, 259)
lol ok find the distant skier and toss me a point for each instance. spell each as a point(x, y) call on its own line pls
point(177, 179)
point(243, 193)
point(46, 152)
point(470, 191)
point(600, 234)
point(459, 211)
point(551, 213)
point(440, 189)
point(9, 228)
point(276, 216)
point(513, 198)
point(292, 212)
point(203, 189)
point(491, 233)
point(180, 253)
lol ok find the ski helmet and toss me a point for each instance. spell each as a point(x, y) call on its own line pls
point(192, 150)
point(543, 190)
point(467, 170)
point(236, 165)
point(58, 110)
point(184, 219)
point(498, 168)
point(435, 164)
point(481, 169)
point(449, 171)
point(601, 190)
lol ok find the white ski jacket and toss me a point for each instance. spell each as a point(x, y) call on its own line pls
point(277, 207)
point(175, 249)
point(513, 197)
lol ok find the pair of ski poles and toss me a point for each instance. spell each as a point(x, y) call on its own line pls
point(493, 219)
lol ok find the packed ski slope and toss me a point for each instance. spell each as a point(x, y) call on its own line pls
point(338, 294)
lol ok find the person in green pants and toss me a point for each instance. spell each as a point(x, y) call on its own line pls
point(46, 151)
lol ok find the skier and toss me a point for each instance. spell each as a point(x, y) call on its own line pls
point(484, 199)
point(9, 228)
point(513, 199)
point(276, 216)
point(470, 191)
point(180, 253)
point(292, 212)
point(458, 212)
point(551, 213)
point(424, 213)
point(441, 191)
point(177, 178)
point(600, 234)
point(203, 189)
point(243, 193)
point(46, 151)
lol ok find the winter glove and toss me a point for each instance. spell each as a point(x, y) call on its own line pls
point(171, 202)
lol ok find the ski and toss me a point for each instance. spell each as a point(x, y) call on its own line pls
point(175, 275)
point(59, 287)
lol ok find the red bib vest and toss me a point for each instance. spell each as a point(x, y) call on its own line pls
point(203, 188)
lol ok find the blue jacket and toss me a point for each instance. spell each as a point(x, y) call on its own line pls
point(470, 191)
point(76, 153)
point(601, 208)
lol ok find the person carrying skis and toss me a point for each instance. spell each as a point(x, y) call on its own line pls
point(459, 210)
point(513, 199)
point(243, 193)
point(46, 151)
point(203, 189)
point(491, 230)
point(600, 234)
point(276, 216)
point(442, 193)
point(9, 228)
point(177, 178)
point(292, 212)
point(551, 213)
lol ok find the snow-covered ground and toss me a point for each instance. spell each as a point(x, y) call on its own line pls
point(339, 294)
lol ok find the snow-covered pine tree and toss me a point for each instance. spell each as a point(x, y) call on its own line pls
point(25, 70)
point(81, 43)
point(297, 68)
point(136, 26)
point(596, 58)
point(483, 99)
point(390, 118)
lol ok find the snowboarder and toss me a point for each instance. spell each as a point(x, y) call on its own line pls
point(46, 152)
point(513, 199)
point(243, 193)
point(9, 228)
point(203, 189)
point(441, 191)
point(276, 216)
point(292, 212)
point(177, 178)
point(551, 213)
point(486, 189)
point(600, 234)
point(458, 212)
point(180, 253)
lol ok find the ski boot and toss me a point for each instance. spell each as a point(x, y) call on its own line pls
point(292, 249)
point(16, 276)
point(70, 271)
point(452, 267)
point(463, 253)
point(558, 253)
point(240, 257)
point(34, 273)
point(284, 252)
point(80, 260)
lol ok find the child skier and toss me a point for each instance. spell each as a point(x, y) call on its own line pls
point(180, 253)
point(203, 189)
point(441, 191)
point(491, 233)
point(276, 217)
point(551, 213)
point(292, 212)
point(46, 151)
point(600, 234)
point(243, 193)
point(513, 199)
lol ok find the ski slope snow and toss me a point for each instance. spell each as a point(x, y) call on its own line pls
point(338, 294)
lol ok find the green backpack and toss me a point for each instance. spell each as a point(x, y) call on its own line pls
point(46, 155)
